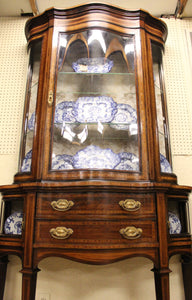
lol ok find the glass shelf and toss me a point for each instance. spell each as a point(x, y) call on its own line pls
point(97, 74)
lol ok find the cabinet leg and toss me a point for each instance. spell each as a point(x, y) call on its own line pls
point(29, 283)
point(3, 269)
point(162, 284)
point(187, 275)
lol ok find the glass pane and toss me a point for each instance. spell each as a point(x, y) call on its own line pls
point(178, 213)
point(95, 119)
point(163, 133)
point(12, 216)
point(31, 95)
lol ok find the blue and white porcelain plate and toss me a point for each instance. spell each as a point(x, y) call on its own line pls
point(128, 161)
point(94, 109)
point(93, 65)
point(26, 165)
point(165, 165)
point(64, 112)
point(174, 224)
point(62, 162)
point(93, 157)
point(31, 122)
point(125, 116)
point(13, 224)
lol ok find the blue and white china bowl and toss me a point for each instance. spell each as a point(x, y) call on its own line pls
point(125, 116)
point(165, 165)
point(93, 65)
point(64, 112)
point(26, 165)
point(31, 122)
point(13, 224)
point(93, 157)
point(174, 224)
point(62, 162)
point(94, 109)
point(128, 161)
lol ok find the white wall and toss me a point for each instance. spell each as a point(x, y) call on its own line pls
point(64, 279)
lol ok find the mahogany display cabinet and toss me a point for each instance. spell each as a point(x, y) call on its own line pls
point(95, 181)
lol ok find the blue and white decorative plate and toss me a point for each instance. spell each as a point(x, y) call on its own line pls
point(26, 165)
point(125, 116)
point(174, 224)
point(31, 122)
point(128, 161)
point(165, 165)
point(93, 65)
point(94, 109)
point(64, 112)
point(93, 157)
point(62, 162)
point(13, 224)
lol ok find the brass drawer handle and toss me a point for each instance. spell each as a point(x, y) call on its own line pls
point(131, 232)
point(62, 204)
point(61, 233)
point(130, 204)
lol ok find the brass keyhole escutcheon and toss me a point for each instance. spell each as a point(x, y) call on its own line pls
point(50, 98)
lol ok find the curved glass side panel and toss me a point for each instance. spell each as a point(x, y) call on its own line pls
point(95, 117)
point(30, 107)
point(162, 122)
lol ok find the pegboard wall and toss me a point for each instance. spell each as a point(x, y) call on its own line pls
point(13, 70)
point(178, 80)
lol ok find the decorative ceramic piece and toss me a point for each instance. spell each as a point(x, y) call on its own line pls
point(93, 157)
point(174, 224)
point(165, 165)
point(94, 109)
point(125, 116)
point(31, 122)
point(62, 162)
point(13, 224)
point(26, 165)
point(64, 112)
point(92, 65)
point(128, 161)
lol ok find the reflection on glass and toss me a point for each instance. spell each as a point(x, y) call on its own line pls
point(32, 89)
point(95, 119)
point(160, 108)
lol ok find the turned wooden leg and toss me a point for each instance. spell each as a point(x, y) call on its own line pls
point(187, 275)
point(29, 283)
point(162, 284)
point(3, 269)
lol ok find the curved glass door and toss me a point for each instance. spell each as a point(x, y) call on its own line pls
point(30, 107)
point(95, 115)
point(162, 122)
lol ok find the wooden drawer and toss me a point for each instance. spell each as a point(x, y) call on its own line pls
point(94, 234)
point(53, 206)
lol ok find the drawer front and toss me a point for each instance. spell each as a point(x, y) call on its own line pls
point(101, 204)
point(94, 234)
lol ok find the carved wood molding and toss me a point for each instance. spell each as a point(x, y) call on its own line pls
point(34, 7)
point(181, 4)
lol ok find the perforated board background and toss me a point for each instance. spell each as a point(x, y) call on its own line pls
point(178, 86)
point(13, 68)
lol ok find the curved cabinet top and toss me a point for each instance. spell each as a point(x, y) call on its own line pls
point(88, 15)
